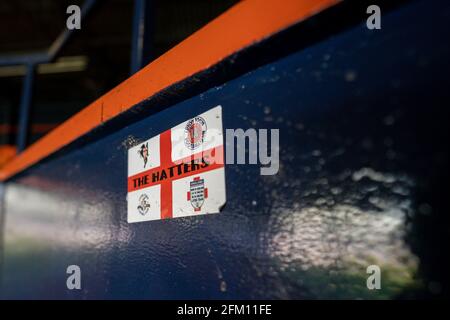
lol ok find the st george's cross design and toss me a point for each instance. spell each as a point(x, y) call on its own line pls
point(182, 173)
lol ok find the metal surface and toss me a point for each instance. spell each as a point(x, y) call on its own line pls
point(363, 165)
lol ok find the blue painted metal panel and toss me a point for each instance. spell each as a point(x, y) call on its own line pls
point(362, 144)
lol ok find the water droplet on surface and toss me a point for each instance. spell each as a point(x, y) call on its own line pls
point(425, 209)
point(223, 286)
point(434, 287)
point(389, 120)
point(350, 76)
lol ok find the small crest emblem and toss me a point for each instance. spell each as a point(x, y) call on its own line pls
point(194, 133)
point(198, 193)
point(144, 204)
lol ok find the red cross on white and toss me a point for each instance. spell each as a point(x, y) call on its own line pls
point(167, 182)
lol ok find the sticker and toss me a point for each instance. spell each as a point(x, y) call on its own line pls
point(179, 172)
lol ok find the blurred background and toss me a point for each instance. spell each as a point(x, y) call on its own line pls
point(90, 63)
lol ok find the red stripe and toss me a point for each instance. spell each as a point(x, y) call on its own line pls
point(216, 153)
point(165, 145)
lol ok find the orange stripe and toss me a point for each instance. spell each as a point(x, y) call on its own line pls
point(7, 152)
point(245, 23)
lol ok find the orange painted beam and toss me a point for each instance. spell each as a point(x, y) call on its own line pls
point(244, 24)
point(6, 153)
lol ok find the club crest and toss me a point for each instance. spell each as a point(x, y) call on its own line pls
point(144, 204)
point(194, 133)
point(198, 193)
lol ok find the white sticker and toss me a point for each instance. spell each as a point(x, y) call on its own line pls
point(179, 172)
